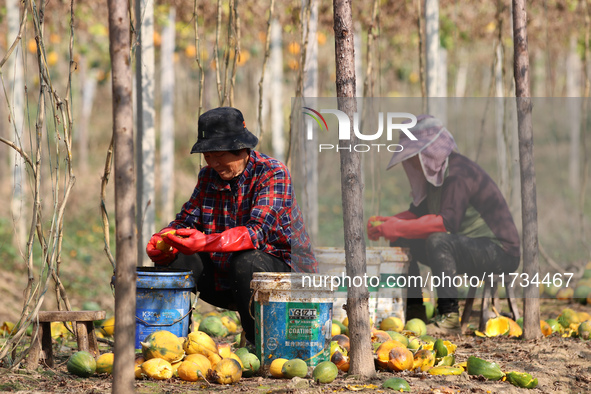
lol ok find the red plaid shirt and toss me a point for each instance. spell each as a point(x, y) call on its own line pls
point(262, 199)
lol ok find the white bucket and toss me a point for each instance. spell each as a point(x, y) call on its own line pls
point(381, 262)
point(331, 262)
point(293, 317)
point(392, 292)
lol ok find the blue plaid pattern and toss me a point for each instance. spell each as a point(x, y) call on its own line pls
point(262, 199)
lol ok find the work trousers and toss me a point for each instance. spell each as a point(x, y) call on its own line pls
point(449, 255)
point(238, 298)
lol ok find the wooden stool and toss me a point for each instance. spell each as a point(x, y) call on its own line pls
point(82, 323)
point(489, 294)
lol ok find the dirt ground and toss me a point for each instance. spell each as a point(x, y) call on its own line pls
point(561, 365)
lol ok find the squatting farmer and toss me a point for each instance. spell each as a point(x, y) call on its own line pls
point(241, 218)
point(458, 221)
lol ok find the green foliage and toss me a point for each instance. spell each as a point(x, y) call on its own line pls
point(447, 31)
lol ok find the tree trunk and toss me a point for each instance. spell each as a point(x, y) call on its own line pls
point(310, 150)
point(361, 360)
point(441, 101)
point(503, 169)
point(125, 198)
point(432, 52)
point(17, 98)
point(167, 118)
point(529, 215)
point(573, 89)
point(89, 83)
point(274, 92)
point(146, 135)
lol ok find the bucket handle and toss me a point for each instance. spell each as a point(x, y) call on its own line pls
point(250, 302)
point(191, 309)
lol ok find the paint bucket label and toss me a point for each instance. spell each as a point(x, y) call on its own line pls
point(293, 330)
point(291, 320)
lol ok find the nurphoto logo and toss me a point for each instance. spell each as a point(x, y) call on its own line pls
point(344, 129)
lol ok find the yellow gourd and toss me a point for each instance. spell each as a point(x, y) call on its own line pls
point(157, 368)
point(162, 344)
point(227, 371)
point(200, 342)
point(194, 367)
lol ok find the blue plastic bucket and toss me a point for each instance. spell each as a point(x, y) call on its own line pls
point(163, 302)
point(293, 317)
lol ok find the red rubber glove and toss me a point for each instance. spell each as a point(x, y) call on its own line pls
point(405, 215)
point(190, 241)
point(419, 228)
point(158, 256)
point(375, 221)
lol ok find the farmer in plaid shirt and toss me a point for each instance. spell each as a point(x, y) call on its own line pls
point(241, 218)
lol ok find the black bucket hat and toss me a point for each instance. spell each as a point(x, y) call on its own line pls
point(223, 129)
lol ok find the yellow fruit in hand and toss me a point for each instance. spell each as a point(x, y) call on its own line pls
point(373, 220)
point(163, 246)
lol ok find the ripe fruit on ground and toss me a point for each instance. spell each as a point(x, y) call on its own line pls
point(383, 352)
point(162, 344)
point(235, 357)
point(335, 329)
point(230, 324)
point(227, 371)
point(108, 326)
point(401, 359)
point(175, 368)
point(340, 360)
point(568, 317)
point(515, 329)
point(157, 368)
point(81, 364)
point(224, 350)
point(325, 372)
point(295, 367)
point(344, 329)
point(276, 367)
point(584, 330)
point(565, 294)
point(424, 359)
point(545, 327)
point(194, 367)
point(417, 326)
point(104, 364)
point(213, 358)
point(495, 327)
point(380, 336)
point(343, 341)
point(392, 323)
point(446, 370)
point(414, 343)
point(200, 342)
point(138, 371)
